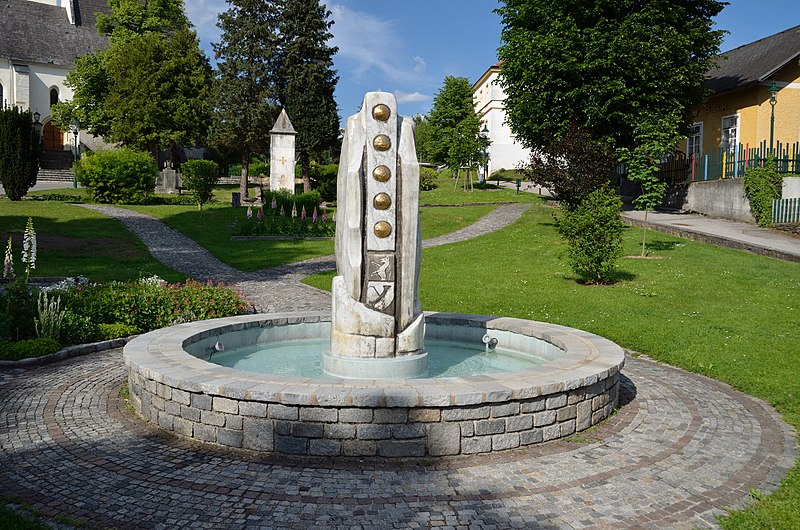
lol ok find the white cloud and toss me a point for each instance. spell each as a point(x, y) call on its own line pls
point(410, 97)
point(370, 49)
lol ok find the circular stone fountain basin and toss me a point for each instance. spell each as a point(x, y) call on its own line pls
point(172, 385)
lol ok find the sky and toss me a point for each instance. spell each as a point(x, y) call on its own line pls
point(408, 46)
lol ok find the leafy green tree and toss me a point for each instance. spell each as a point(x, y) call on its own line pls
point(454, 138)
point(19, 152)
point(622, 69)
point(244, 89)
point(306, 79)
point(150, 88)
point(200, 177)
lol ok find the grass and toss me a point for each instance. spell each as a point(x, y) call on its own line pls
point(723, 313)
point(444, 194)
point(73, 241)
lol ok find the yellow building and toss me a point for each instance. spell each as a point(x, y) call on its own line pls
point(736, 117)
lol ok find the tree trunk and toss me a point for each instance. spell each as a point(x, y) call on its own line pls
point(245, 174)
point(644, 233)
point(305, 165)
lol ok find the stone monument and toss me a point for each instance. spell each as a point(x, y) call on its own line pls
point(377, 323)
point(282, 157)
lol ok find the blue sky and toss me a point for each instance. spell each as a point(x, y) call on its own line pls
point(407, 47)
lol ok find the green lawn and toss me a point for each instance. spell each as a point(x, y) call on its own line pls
point(727, 314)
point(74, 241)
point(444, 194)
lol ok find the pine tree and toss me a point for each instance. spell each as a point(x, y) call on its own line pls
point(306, 80)
point(244, 94)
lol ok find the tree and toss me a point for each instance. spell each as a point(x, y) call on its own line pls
point(19, 152)
point(150, 87)
point(451, 132)
point(622, 69)
point(244, 89)
point(306, 80)
point(571, 167)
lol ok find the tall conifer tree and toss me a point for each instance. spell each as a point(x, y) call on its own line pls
point(245, 86)
point(306, 79)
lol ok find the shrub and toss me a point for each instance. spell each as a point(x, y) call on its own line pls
point(762, 185)
point(258, 169)
point(200, 177)
point(593, 232)
point(25, 349)
point(323, 179)
point(114, 331)
point(18, 311)
point(19, 151)
point(147, 306)
point(427, 179)
point(51, 316)
point(77, 329)
point(171, 200)
point(118, 175)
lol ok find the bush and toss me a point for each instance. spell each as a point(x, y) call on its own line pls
point(285, 202)
point(171, 200)
point(323, 180)
point(258, 169)
point(762, 185)
point(118, 175)
point(59, 197)
point(25, 349)
point(19, 151)
point(114, 331)
point(427, 179)
point(77, 329)
point(18, 309)
point(593, 232)
point(200, 177)
point(148, 306)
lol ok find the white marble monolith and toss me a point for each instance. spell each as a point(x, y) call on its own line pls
point(281, 154)
point(377, 323)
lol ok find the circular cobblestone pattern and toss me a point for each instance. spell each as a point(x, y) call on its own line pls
point(681, 450)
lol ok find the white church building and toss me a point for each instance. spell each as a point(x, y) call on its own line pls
point(39, 43)
point(489, 99)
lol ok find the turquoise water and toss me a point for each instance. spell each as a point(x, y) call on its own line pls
point(303, 358)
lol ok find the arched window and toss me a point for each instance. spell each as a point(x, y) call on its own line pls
point(53, 96)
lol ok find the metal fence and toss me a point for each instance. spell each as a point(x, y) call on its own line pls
point(719, 163)
point(786, 211)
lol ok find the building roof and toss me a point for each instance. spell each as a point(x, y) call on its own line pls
point(32, 32)
point(754, 62)
point(494, 68)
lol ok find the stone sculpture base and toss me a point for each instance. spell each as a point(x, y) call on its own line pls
point(406, 367)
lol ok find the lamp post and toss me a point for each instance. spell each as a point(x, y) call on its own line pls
point(485, 138)
point(74, 127)
point(773, 91)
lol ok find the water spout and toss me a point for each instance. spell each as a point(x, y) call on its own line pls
point(217, 347)
point(489, 342)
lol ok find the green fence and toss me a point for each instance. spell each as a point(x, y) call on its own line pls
point(786, 211)
point(720, 163)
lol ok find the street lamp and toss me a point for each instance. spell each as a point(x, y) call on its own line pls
point(74, 127)
point(485, 137)
point(773, 91)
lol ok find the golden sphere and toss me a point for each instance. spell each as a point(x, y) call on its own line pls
point(381, 143)
point(383, 229)
point(382, 201)
point(381, 112)
point(381, 173)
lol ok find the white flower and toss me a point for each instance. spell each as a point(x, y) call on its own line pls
point(29, 246)
point(8, 262)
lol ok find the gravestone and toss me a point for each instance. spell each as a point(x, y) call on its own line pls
point(282, 155)
point(377, 322)
point(169, 178)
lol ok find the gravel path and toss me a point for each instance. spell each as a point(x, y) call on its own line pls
point(279, 288)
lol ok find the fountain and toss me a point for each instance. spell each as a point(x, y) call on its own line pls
point(371, 395)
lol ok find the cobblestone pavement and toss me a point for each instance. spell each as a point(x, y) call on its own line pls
point(278, 288)
point(682, 449)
